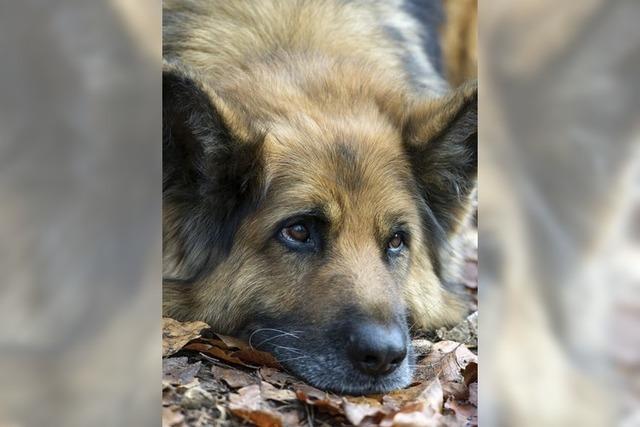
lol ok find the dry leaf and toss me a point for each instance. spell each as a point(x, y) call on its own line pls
point(433, 396)
point(255, 357)
point(466, 414)
point(178, 370)
point(243, 356)
point(411, 414)
point(473, 394)
point(398, 398)
point(235, 378)
point(277, 377)
point(281, 395)
point(446, 360)
point(172, 417)
point(216, 352)
point(176, 334)
point(470, 373)
point(363, 411)
point(249, 405)
point(231, 342)
point(196, 397)
point(465, 332)
point(320, 399)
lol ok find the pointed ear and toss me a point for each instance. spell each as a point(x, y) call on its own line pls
point(210, 175)
point(441, 138)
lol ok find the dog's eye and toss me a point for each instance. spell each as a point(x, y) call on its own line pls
point(296, 232)
point(395, 243)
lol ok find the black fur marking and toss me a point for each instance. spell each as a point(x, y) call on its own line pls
point(436, 236)
point(348, 167)
point(446, 166)
point(210, 179)
point(445, 169)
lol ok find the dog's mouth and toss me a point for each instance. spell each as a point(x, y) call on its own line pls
point(324, 361)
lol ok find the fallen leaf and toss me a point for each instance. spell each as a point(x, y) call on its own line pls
point(470, 373)
point(281, 395)
point(196, 397)
point(473, 394)
point(231, 342)
point(255, 357)
point(465, 332)
point(243, 356)
point(433, 396)
point(425, 410)
point(361, 411)
point(320, 399)
point(242, 350)
point(411, 415)
point(398, 398)
point(176, 334)
point(170, 395)
point(466, 414)
point(277, 377)
point(217, 352)
point(409, 419)
point(446, 360)
point(235, 378)
point(172, 417)
point(249, 405)
point(178, 370)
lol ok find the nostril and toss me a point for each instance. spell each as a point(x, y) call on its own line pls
point(370, 360)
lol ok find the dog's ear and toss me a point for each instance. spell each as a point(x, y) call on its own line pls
point(210, 175)
point(441, 138)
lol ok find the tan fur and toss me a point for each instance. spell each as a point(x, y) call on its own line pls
point(306, 79)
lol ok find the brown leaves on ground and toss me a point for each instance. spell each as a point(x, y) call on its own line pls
point(176, 334)
point(233, 351)
point(219, 380)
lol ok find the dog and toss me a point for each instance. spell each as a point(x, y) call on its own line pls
point(316, 171)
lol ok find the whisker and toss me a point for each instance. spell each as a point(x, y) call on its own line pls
point(281, 332)
point(292, 359)
point(272, 338)
point(295, 350)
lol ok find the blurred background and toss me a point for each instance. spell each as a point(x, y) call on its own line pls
point(559, 213)
point(559, 210)
point(80, 204)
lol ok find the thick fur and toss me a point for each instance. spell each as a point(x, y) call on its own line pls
point(323, 111)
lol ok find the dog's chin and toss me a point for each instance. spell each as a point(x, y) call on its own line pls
point(329, 372)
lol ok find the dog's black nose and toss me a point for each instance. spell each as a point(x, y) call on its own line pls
point(377, 349)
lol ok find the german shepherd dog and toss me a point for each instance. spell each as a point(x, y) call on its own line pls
point(316, 171)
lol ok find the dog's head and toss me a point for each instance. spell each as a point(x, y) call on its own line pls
point(318, 238)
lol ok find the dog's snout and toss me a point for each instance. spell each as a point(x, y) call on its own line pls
point(377, 349)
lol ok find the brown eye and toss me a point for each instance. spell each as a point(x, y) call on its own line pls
point(396, 242)
point(297, 232)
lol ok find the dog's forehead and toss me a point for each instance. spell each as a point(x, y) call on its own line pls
point(339, 176)
point(348, 162)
